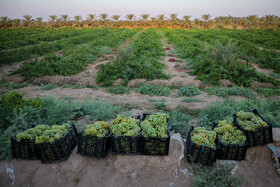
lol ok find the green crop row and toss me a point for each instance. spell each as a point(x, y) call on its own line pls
point(140, 59)
point(75, 60)
point(18, 40)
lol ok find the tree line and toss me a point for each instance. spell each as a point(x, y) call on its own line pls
point(145, 20)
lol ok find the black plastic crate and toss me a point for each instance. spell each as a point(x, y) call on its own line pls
point(230, 151)
point(259, 136)
point(24, 149)
point(126, 145)
point(93, 145)
point(155, 145)
point(60, 149)
point(199, 154)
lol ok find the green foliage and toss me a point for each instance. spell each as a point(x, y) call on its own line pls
point(217, 175)
point(268, 108)
point(178, 121)
point(99, 129)
point(149, 89)
point(155, 125)
point(13, 102)
point(203, 137)
point(229, 134)
point(191, 100)
point(226, 91)
point(13, 85)
point(250, 121)
point(120, 90)
point(268, 92)
point(125, 126)
point(48, 111)
point(138, 60)
point(188, 91)
point(48, 87)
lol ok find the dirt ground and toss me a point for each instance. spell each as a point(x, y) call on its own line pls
point(137, 170)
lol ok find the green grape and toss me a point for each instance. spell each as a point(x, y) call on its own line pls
point(228, 134)
point(44, 133)
point(155, 125)
point(250, 121)
point(202, 136)
point(99, 129)
point(125, 126)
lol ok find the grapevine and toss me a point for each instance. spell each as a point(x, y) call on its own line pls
point(228, 134)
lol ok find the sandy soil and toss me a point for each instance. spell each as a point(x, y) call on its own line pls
point(124, 170)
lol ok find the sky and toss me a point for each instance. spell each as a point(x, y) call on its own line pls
point(195, 8)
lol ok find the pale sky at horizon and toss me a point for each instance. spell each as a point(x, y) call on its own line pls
point(195, 8)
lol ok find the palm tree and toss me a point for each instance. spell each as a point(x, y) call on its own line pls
point(65, 19)
point(103, 17)
point(53, 20)
point(28, 20)
point(145, 17)
point(130, 17)
point(160, 19)
point(187, 21)
point(4, 20)
point(173, 18)
point(90, 18)
point(78, 20)
point(217, 20)
point(39, 21)
point(16, 22)
point(116, 19)
point(253, 20)
point(205, 18)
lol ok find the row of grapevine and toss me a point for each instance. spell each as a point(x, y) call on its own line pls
point(74, 60)
point(140, 59)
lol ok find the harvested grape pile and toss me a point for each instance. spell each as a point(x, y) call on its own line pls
point(250, 121)
point(228, 134)
point(44, 133)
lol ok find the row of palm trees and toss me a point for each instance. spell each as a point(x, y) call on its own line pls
point(145, 20)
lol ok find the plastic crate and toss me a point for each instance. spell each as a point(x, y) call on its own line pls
point(199, 154)
point(155, 145)
point(230, 151)
point(259, 136)
point(93, 145)
point(126, 145)
point(60, 149)
point(24, 149)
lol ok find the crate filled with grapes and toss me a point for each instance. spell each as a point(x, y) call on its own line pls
point(94, 141)
point(23, 144)
point(201, 146)
point(155, 136)
point(57, 143)
point(232, 143)
point(125, 137)
point(257, 130)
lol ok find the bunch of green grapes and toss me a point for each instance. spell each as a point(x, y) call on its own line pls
point(99, 129)
point(44, 133)
point(228, 134)
point(250, 121)
point(125, 126)
point(202, 136)
point(155, 125)
point(32, 133)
